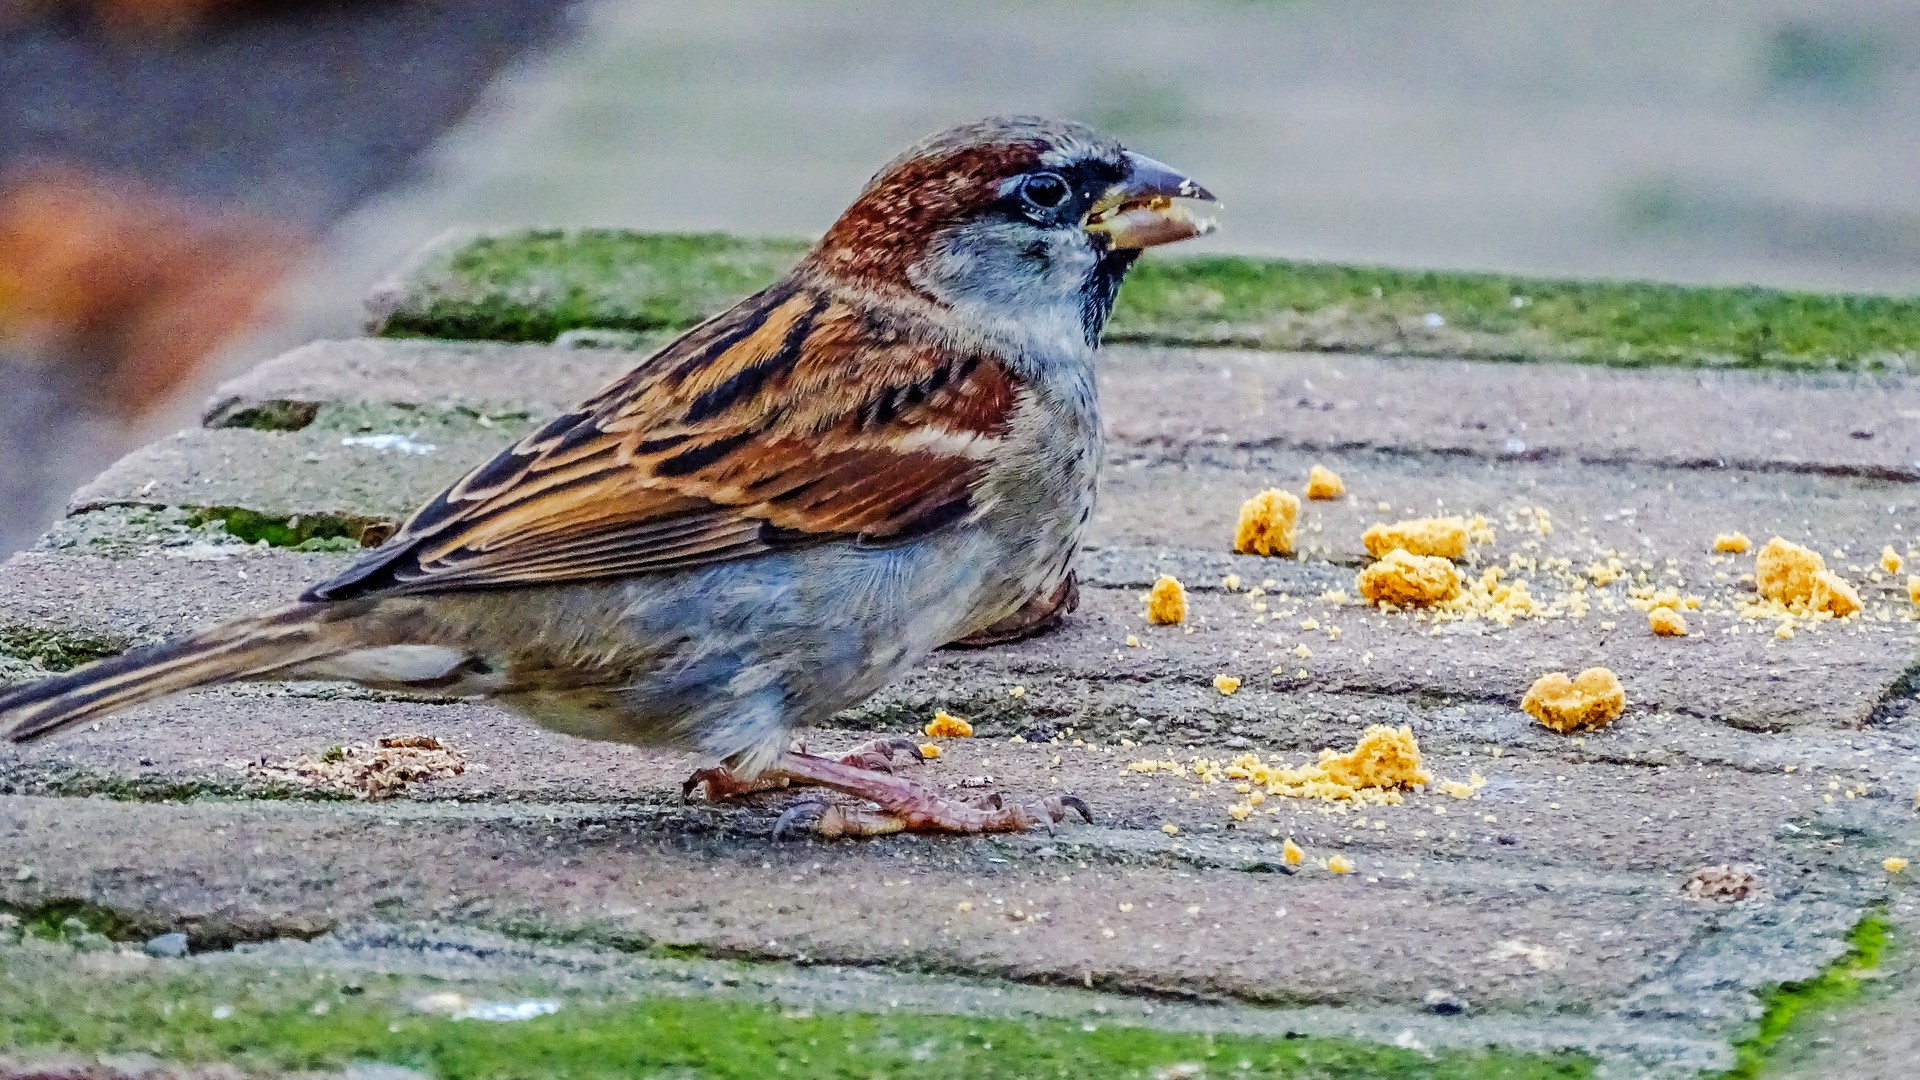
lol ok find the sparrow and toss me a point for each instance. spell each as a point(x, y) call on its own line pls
point(894, 447)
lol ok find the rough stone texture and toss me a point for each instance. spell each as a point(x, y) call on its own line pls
point(1552, 898)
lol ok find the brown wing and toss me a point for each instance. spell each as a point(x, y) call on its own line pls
point(792, 419)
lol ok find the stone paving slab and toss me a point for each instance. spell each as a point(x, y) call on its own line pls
point(1036, 908)
point(1824, 677)
point(1840, 424)
point(1557, 888)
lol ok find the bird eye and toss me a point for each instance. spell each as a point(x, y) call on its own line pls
point(1045, 190)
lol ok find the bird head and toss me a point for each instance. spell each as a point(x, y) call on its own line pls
point(1016, 220)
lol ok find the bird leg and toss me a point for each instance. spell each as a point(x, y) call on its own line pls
point(902, 806)
point(876, 755)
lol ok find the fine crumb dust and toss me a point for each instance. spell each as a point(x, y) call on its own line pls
point(1323, 483)
point(379, 770)
point(1167, 601)
point(1591, 699)
point(1445, 537)
point(1406, 580)
point(1266, 523)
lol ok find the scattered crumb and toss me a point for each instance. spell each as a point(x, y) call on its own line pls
point(1324, 483)
point(1784, 631)
point(1226, 684)
point(1302, 651)
point(1266, 523)
point(1016, 691)
point(1726, 883)
point(1133, 641)
point(1291, 854)
point(1466, 790)
point(1893, 864)
point(1231, 583)
point(1170, 829)
point(1407, 580)
point(1798, 578)
point(1445, 537)
point(1167, 602)
point(1913, 589)
point(1667, 622)
point(1592, 699)
point(377, 771)
point(945, 725)
point(929, 751)
point(1890, 560)
point(1339, 864)
point(1733, 543)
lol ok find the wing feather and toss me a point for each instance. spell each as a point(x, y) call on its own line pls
point(795, 418)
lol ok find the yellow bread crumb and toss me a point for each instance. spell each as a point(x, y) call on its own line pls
point(1266, 523)
point(1291, 854)
point(1733, 543)
point(1167, 602)
point(1913, 589)
point(1667, 622)
point(1226, 684)
point(1170, 829)
point(1445, 537)
point(1407, 580)
point(1784, 631)
point(1592, 699)
point(1890, 560)
point(1303, 652)
point(929, 751)
point(1231, 583)
point(1324, 483)
point(1798, 577)
point(1893, 864)
point(946, 725)
point(1339, 864)
point(1133, 641)
point(1468, 790)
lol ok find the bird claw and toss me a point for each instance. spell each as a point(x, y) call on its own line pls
point(800, 818)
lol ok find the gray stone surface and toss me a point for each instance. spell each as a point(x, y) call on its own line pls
point(1552, 896)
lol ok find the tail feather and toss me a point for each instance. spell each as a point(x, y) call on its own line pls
point(237, 650)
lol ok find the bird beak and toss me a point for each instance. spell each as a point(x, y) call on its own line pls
point(1140, 212)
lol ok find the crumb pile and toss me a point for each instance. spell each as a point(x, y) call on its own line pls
point(1733, 543)
point(1324, 483)
point(1591, 699)
point(1167, 601)
point(1406, 580)
point(1266, 523)
point(1667, 622)
point(945, 725)
point(1798, 578)
point(1381, 767)
point(1445, 537)
point(377, 771)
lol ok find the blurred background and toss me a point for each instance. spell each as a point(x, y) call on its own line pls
point(188, 186)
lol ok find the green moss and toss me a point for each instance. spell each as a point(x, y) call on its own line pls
point(534, 286)
point(270, 1022)
point(301, 532)
point(56, 650)
point(1788, 1005)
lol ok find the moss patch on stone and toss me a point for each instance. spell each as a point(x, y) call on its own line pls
point(1791, 1006)
point(539, 284)
point(535, 286)
point(54, 1002)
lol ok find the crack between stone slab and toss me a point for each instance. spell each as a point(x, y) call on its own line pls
point(1758, 466)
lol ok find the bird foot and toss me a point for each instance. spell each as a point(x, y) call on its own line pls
point(875, 755)
point(903, 806)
